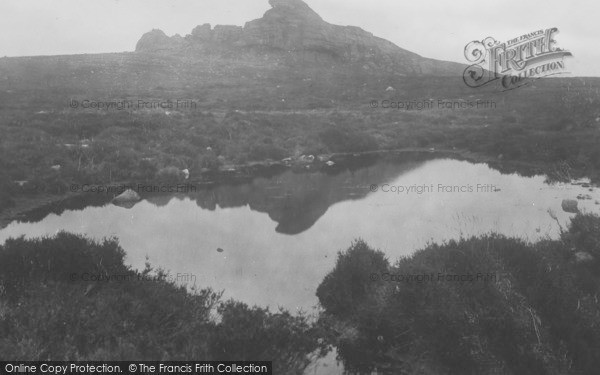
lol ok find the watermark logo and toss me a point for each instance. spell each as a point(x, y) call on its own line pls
point(419, 189)
point(440, 277)
point(179, 278)
point(516, 62)
point(124, 105)
point(432, 104)
point(139, 188)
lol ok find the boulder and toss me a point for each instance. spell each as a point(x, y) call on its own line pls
point(570, 205)
point(128, 196)
point(306, 159)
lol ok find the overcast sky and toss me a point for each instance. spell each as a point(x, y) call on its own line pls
point(432, 28)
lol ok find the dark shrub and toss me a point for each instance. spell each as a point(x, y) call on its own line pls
point(349, 284)
point(50, 311)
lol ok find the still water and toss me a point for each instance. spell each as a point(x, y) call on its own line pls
point(271, 242)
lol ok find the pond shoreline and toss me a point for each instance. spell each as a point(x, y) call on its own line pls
point(25, 205)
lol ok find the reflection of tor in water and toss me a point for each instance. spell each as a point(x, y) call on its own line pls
point(297, 200)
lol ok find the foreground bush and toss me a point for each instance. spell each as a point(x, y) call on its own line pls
point(533, 310)
point(46, 313)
